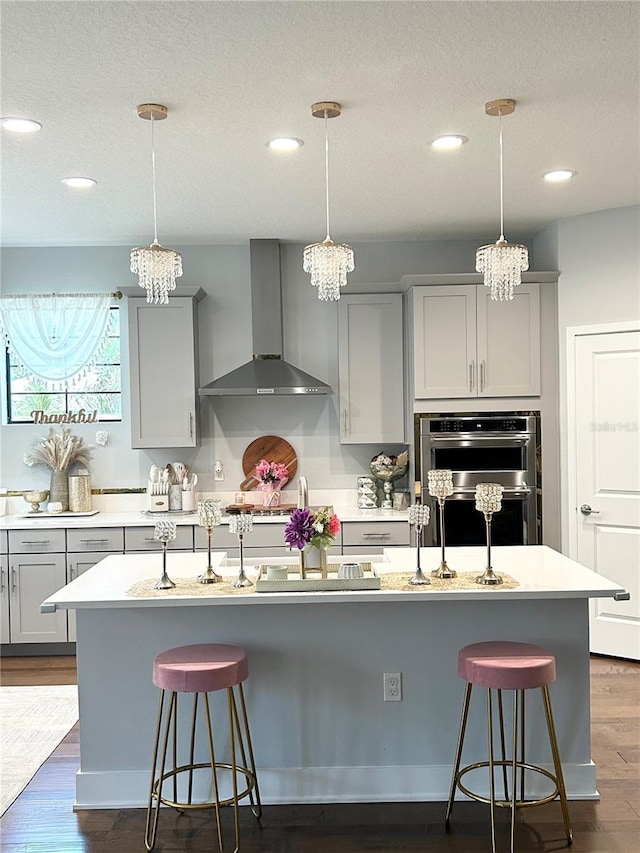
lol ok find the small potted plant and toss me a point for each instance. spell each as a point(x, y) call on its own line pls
point(312, 532)
point(272, 476)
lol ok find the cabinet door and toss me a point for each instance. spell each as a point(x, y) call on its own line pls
point(34, 577)
point(509, 343)
point(77, 564)
point(162, 357)
point(5, 636)
point(444, 334)
point(371, 371)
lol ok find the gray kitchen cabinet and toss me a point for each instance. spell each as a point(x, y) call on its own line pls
point(141, 539)
point(371, 537)
point(163, 360)
point(4, 588)
point(85, 548)
point(371, 368)
point(265, 539)
point(467, 345)
point(32, 578)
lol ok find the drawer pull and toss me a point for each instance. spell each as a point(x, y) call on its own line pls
point(149, 539)
point(87, 541)
point(1, 580)
point(35, 541)
point(376, 535)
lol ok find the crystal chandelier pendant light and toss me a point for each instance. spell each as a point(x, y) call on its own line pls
point(328, 262)
point(502, 263)
point(156, 267)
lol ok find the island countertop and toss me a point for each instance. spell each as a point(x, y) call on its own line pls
point(541, 572)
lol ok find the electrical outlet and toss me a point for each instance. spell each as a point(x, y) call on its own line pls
point(218, 471)
point(392, 682)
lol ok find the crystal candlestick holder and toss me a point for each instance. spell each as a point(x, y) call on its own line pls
point(164, 532)
point(488, 501)
point(418, 517)
point(440, 482)
point(209, 516)
point(241, 524)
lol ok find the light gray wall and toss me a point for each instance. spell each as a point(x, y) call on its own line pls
point(598, 256)
point(227, 424)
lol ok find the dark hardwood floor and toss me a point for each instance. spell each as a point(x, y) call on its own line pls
point(42, 821)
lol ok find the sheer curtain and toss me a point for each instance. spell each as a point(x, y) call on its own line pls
point(57, 337)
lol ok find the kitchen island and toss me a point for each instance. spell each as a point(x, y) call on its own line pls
point(321, 730)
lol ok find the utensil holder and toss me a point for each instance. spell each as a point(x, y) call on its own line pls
point(175, 497)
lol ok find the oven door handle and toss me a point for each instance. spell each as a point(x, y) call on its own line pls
point(499, 440)
point(508, 491)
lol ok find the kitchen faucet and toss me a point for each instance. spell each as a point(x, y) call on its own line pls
point(303, 493)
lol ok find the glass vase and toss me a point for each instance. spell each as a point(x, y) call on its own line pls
point(270, 497)
point(59, 489)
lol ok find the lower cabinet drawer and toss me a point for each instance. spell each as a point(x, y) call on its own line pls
point(141, 539)
point(262, 536)
point(36, 541)
point(383, 533)
point(95, 539)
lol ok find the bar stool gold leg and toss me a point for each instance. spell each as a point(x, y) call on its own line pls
point(456, 766)
point(492, 792)
point(214, 772)
point(256, 806)
point(234, 770)
point(151, 824)
point(517, 695)
point(192, 746)
point(557, 764)
point(522, 750)
point(503, 747)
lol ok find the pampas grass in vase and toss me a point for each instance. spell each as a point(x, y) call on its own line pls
point(59, 451)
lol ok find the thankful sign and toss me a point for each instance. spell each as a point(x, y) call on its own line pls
point(80, 417)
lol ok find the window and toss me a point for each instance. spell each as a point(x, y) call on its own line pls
point(99, 389)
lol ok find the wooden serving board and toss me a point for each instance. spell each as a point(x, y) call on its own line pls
point(273, 449)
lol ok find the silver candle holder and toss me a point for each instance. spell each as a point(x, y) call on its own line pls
point(440, 482)
point(418, 517)
point(241, 524)
point(488, 501)
point(209, 516)
point(164, 532)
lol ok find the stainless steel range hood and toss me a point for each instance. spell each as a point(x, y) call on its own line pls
point(268, 374)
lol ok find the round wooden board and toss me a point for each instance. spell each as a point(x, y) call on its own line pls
point(273, 449)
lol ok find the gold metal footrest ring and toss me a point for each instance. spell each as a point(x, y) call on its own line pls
point(520, 804)
point(185, 768)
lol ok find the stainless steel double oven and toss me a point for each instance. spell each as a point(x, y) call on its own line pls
point(497, 448)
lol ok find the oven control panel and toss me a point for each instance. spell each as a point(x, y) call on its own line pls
point(480, 424)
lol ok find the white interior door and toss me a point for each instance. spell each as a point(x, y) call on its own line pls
point(607, 472)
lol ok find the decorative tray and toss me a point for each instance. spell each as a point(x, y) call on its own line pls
point(56, 514)
point(315, 583)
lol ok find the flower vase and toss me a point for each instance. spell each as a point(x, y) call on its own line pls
point(270, 497)
point(59, 489)
point(313, 559)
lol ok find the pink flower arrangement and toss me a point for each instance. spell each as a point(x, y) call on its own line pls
point(317, 528)
point(272, 475)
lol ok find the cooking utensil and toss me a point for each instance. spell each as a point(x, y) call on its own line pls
point(273, 449)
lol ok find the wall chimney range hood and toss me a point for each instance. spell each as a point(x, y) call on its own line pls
point(267, 374)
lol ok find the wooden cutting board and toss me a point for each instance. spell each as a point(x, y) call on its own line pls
point(273, 449)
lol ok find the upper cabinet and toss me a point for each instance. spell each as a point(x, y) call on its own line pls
point(371, 369)
point(163, 380)
point(467, 345)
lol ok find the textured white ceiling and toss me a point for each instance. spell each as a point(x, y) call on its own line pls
point(235, 73)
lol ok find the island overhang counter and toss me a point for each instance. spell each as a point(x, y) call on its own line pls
point(321, 730)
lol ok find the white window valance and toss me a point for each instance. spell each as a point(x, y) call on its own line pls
point(57, 337)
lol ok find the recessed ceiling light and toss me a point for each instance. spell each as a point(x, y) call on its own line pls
point(558, 175)
point(284, 143)
point(20, 125)
point(453, 140)
point(79, 183)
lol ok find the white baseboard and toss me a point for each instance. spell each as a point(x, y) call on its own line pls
point(129, 790)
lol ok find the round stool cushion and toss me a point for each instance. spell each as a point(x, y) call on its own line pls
point(200, 668)
point(506, 666)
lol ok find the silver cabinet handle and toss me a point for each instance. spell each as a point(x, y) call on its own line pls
point(585, 509)
point(190, 424)
point(376, 535)
point(14, 580)
point(88, 541)
point(72, 573)
point(1, 580)
point(344, 421)
point(35, 541)
point(471, 376)
point(149, 539)
point(482, 375)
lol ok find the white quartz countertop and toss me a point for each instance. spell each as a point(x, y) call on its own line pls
point(140, 518)
point(541, 572)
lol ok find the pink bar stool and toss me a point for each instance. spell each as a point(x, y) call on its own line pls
point(199, 670)
point(499, 666)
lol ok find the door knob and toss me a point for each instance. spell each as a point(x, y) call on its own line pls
point(585, 509)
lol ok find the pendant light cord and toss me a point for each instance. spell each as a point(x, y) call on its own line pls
point(153, 172)
point(501, 182)
point(326, 166)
